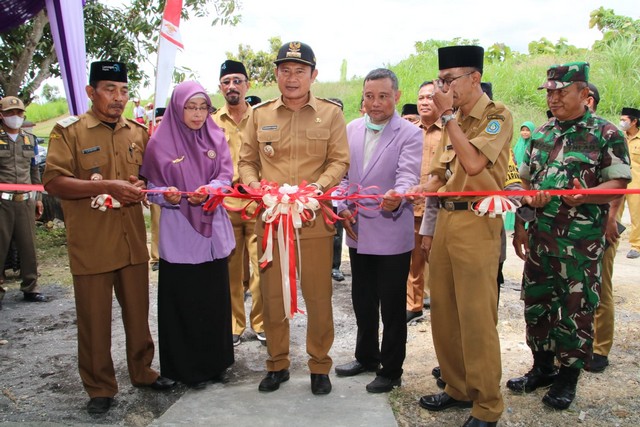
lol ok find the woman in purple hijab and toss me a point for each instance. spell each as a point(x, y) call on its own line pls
point(188, 152)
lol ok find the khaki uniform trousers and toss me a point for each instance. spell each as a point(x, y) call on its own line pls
point(243, 231)
point(417, 282)
point(462, 279)
point(17, 219)
point(633, 201)
point(94, 295)
point(317, 254)
point(155, 232)
point(603, 320)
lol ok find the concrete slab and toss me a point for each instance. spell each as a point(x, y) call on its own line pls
point(241, 404)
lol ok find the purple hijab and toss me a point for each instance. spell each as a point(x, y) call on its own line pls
point(204, 153)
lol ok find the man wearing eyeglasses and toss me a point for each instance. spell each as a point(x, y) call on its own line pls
point(472, 156)
point(232, 118)
point(294, 138)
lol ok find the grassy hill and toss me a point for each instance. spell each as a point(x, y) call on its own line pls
point(615, 70)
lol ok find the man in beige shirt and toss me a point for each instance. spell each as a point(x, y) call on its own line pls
point(232, 118)
point(294, 138)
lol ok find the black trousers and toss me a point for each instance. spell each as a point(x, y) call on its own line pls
point(379, 287)
point(337, 244)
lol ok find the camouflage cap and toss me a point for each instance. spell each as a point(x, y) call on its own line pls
point(11, 103)
point(560, 76)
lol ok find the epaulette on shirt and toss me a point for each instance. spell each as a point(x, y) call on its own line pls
point(265, 103)
point(331, 101)
point(67, 121)
point(138, 123)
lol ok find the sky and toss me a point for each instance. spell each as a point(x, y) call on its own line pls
point(377, 33)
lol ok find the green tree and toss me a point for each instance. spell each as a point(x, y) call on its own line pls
point(50, 93)
point(498, 52)
point(259, 64)
point(613, 27)
point(128, 34)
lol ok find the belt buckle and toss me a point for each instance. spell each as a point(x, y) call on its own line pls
point(449, 206)
point(18, 197)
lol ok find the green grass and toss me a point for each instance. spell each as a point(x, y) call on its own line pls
point(42, 112)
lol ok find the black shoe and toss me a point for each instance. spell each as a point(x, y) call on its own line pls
point(598, 363)
point(273, 379)
point(440, 383)
point(320, 384)
point(532, 380)
point(337, 275)
point(99, 405)
point(442, 401)
point(426, 303)
point(383, 384)
point(162, 383)
point(236, 340)
point(35, 297)
point(353, 368)
point(436, 372)
point(411, 315)
point(155, 266)
point(198, 386)
point(474, 422)
point(563, 390)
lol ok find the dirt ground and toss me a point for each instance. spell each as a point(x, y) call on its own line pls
point(40, 383)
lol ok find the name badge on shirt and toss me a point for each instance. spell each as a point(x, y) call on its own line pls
point(91, 150)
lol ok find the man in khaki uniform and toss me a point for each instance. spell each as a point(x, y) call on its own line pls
point(100, 152)
point(232, 118)
point(431, 134)
point(297, 137)
point(473, 155)
point(18, 208)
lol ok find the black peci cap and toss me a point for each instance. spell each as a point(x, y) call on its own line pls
point(409, 109)
point(631, 112)
point(107, 70)
point(232, 67)
point(296, 52)
point(460, 56)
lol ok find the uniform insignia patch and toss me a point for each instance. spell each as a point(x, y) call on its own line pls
point(493, 127)
point(67, 121)
point(496, 117)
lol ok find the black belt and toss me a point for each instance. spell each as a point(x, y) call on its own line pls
point(453, 206)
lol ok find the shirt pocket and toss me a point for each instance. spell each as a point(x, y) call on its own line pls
point(91, 160)
point(28, 151)
point(317, 141)
point(269, 144)
point(5, 150)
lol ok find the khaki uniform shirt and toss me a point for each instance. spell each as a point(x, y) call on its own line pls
point(232, 132)
point(16, 159)
point(285, 146)
point(431, 139)
point(98, 241)
point(634, 154)
point(489, 127)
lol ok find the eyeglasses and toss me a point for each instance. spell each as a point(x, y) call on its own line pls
point(205, 109)
point(449, 80)
point(236, 82)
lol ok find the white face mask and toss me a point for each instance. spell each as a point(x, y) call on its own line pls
point(13, 122)
point(624, 126)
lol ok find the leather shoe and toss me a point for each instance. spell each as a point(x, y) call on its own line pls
point(99, 405)
point(383, 384)
point(442, 401)
point(162, 383)
point(532, 380)
point(337, 275)
point(440, 383)
point(436, 372)
point(320, 384)
point(413, 315)
point(35, 297)
point(353, 368)
point(474, 422)
point(273, 379)
point(598, 363)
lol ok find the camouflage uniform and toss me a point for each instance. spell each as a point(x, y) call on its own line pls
point(562, 272)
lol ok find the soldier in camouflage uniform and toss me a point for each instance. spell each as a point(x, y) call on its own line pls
point(563, 253)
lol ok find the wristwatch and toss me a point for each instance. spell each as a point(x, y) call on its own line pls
point(446, 118)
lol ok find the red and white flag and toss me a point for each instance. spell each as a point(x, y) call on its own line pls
point(170, 42)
